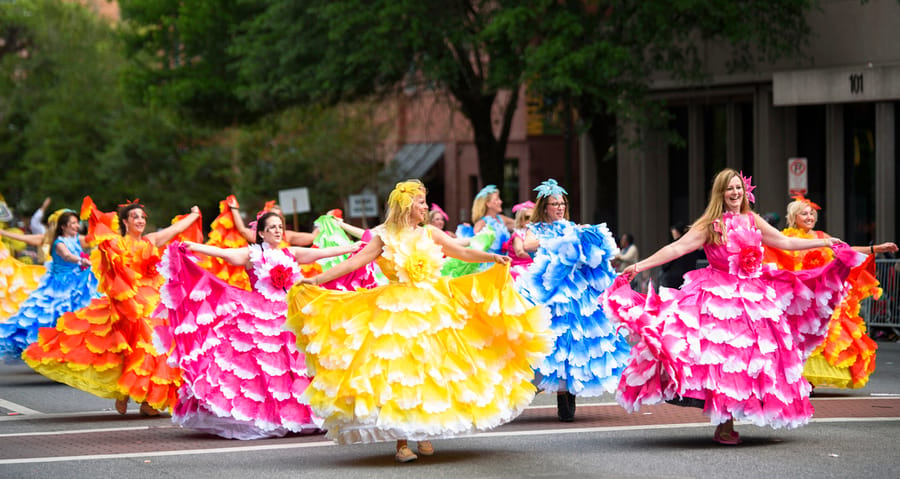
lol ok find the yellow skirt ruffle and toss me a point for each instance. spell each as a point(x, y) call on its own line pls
point(407, 362)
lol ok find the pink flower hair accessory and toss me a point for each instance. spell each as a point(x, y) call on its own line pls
point(435, 207)
point(748, 188)
point(523, 206)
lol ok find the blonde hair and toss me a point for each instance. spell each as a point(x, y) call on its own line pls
point(716, 206)
point(523, 216)
point(400, 203)
point(794, 208)
point(479, 206)
point(539, 216)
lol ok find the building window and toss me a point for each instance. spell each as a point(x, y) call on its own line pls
point(811, 145)
point(679, 180)
point(510, 184)
point(715, 137)
point(859, 172)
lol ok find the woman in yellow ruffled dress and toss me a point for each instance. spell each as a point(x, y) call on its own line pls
point(17, 281)
point(106, 347)
point(847, 356)
point(424, 356)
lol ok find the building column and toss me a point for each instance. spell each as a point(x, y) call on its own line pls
point(885, 171)
point(834, 170)
point(587, 183)
point(697, 187)
point(775, 140)
point(734, 150)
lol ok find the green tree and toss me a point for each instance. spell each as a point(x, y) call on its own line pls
point(598, 58)
point(324, 51)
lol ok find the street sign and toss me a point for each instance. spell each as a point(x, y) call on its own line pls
point(5, 214)
point(797, 176)
point(363, 206)
point(294, 201)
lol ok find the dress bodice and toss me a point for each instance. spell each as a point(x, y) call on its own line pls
point(272, 271)
point(59, 265)
point(741, 251)
point(410, 256)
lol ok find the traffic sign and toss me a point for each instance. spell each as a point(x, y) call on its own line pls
point(294, 201)
point(363, 206)
point(797, 176)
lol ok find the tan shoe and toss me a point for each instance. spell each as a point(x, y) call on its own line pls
point(122, 406)
point(425, 448)
point(148, 410)
point(405, 454)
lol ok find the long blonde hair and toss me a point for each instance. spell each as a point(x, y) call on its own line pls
point(716, 206)
point(400, 203)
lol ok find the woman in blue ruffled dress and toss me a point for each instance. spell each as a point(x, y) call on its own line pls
point(571, 269)
point(68, 285)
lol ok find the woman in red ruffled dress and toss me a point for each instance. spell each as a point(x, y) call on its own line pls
point(106, 347)
point(847, 356)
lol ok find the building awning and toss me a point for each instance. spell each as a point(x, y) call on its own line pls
point(412, 161)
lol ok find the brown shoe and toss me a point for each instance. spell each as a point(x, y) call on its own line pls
point(405, 454)
point(425, 448)
point(148, 410)
point(122, 406)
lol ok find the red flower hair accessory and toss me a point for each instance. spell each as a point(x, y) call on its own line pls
point(809, 203)
point(131, 202)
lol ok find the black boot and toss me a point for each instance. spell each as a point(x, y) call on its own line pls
point(565, 406)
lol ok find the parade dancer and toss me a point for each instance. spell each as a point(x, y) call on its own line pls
point(242, 374)
point(734, 337)
point(425, 356)
point(106, 347)
point(571, 269)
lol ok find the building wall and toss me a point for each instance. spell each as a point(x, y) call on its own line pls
point(849, 38)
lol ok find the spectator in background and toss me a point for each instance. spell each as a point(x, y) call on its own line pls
point(673, 271)
point(38, 224)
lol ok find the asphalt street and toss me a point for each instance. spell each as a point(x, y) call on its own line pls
point(49, 430)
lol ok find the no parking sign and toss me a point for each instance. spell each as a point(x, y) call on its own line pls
point(797, 176)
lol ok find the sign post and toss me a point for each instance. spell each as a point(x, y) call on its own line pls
point(363, 206)
point(294, 201)
point(797, 176)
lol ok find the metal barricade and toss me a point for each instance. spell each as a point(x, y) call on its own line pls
point(884, 312)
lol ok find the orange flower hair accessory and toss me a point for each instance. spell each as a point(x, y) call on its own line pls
point(803, 199)
point(131, 202)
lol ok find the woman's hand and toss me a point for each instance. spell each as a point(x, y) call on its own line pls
point(501, 259)
point(312, 280)
point(195, 209)
point(630, 271)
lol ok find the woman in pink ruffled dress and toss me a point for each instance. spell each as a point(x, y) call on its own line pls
point(735, 336)
point(243, 375)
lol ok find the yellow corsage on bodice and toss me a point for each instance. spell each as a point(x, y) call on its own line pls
point(415, 257)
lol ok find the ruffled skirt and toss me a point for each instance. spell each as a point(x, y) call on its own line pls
point(407, 362)
point(738, 345)
point(242, 374)
point(56, 294)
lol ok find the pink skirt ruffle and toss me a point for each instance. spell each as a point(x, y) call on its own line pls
point(738, 344)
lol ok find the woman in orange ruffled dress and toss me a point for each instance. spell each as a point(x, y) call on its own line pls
point(106, 347)
point(847, 356)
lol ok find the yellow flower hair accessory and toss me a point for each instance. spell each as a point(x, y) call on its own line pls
point(403, 194)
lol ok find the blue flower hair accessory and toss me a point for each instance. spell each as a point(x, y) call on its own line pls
point(550, 188)
point(487, 190)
